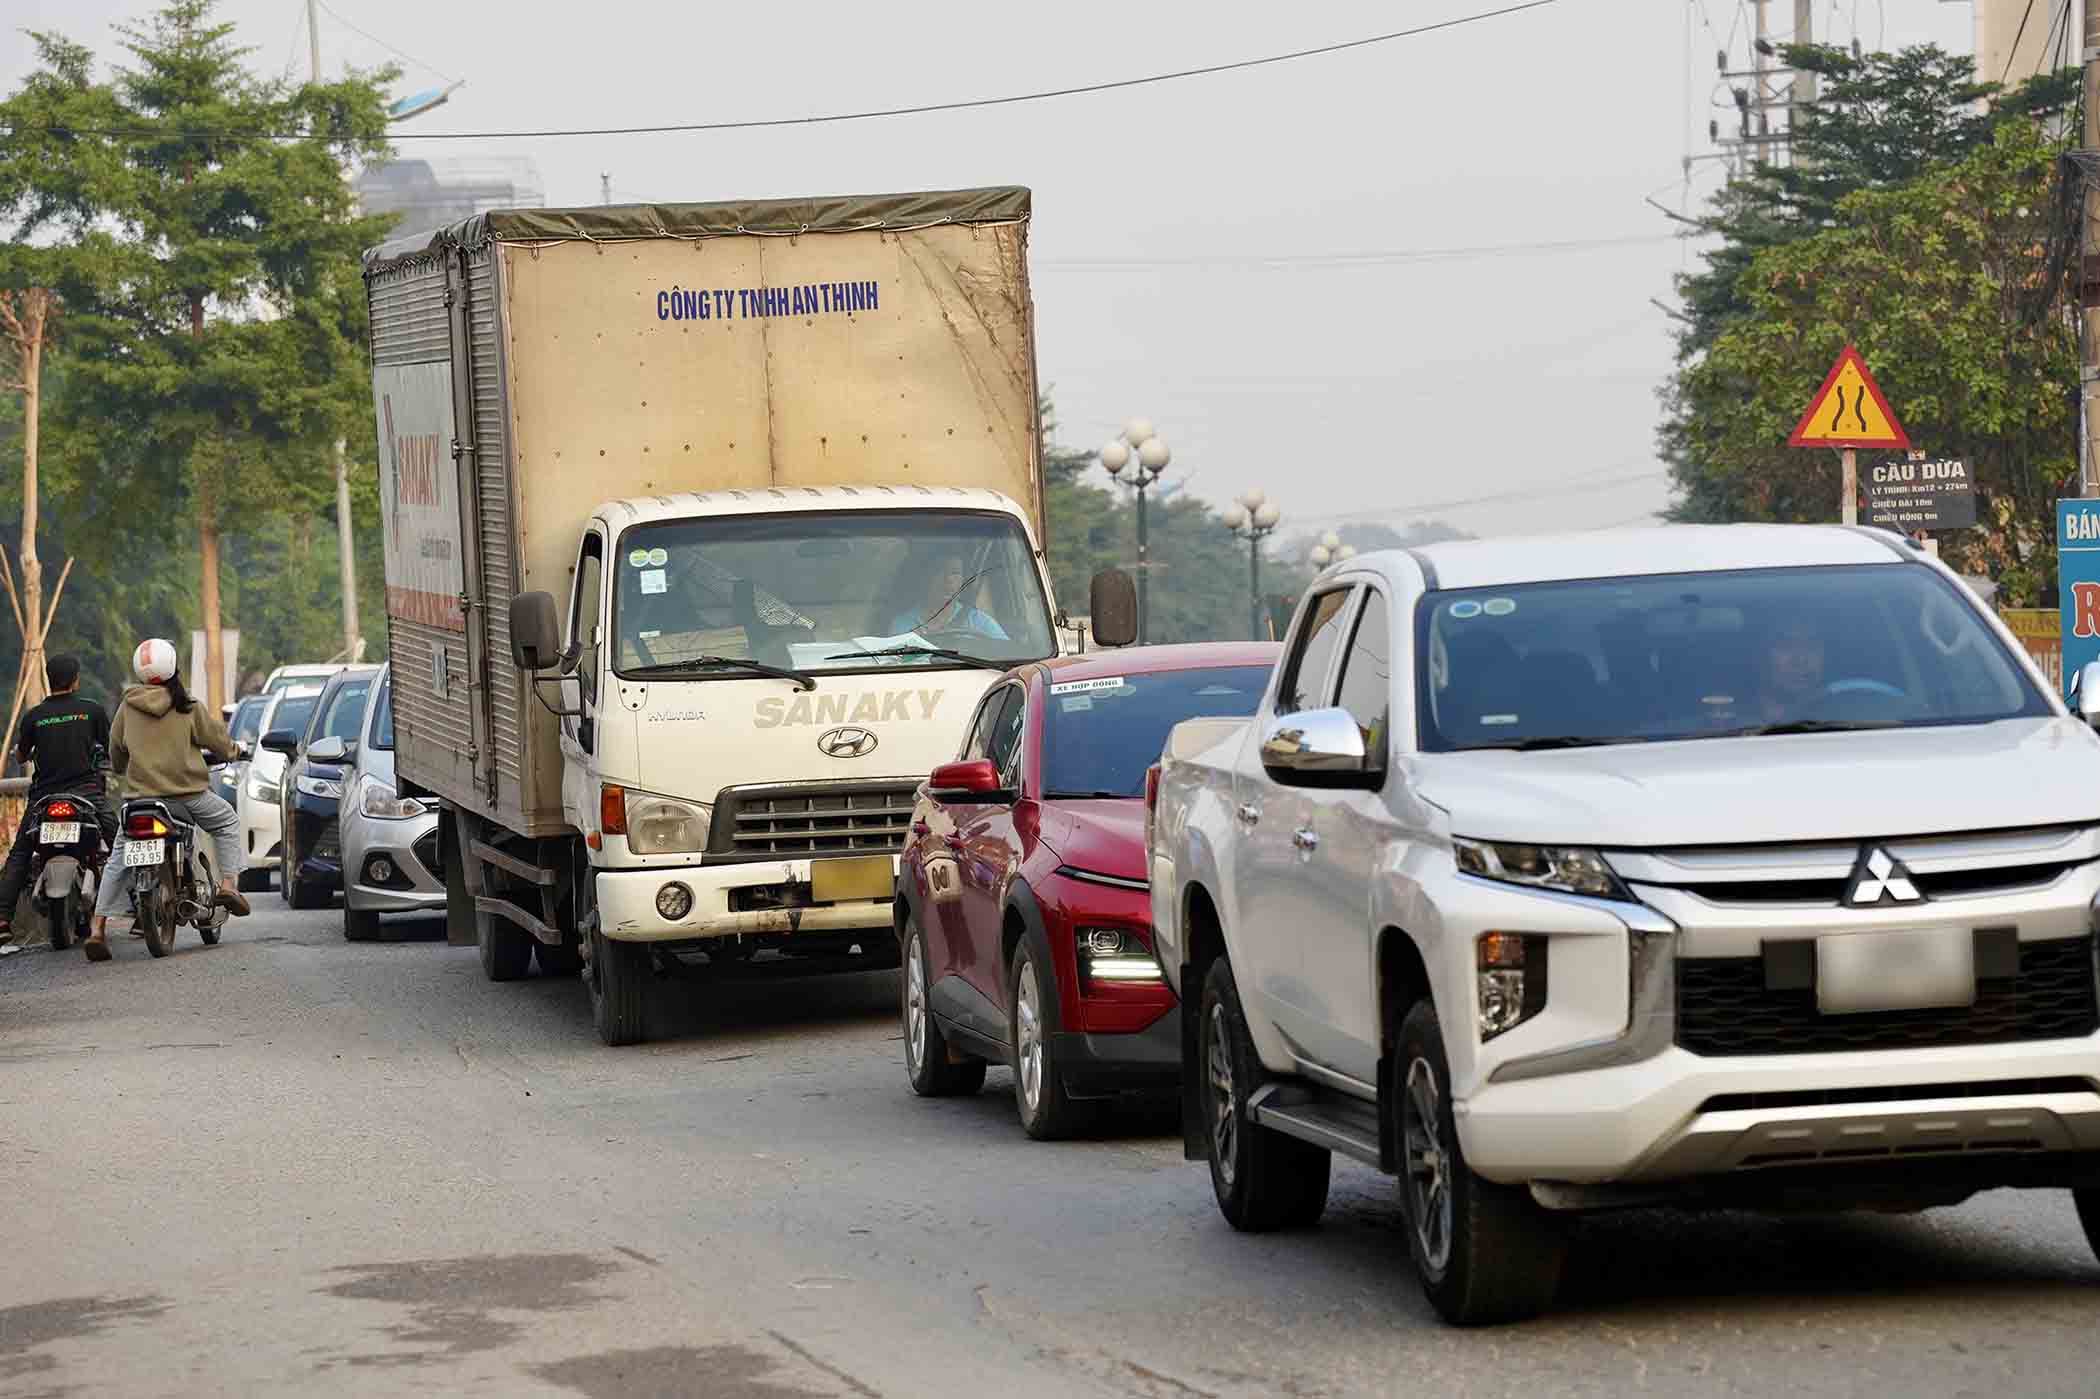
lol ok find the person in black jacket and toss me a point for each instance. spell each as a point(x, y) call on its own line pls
point(67, 737)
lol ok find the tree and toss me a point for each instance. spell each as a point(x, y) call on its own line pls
point(215, 304)
point(1948, 286)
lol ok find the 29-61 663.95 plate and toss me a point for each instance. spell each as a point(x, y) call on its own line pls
point(144, 852)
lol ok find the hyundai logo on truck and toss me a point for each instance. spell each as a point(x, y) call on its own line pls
point(846, 743)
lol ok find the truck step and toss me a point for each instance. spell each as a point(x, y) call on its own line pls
point(1336, 1123)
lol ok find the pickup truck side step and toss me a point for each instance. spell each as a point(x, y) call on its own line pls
point(1339, 1124)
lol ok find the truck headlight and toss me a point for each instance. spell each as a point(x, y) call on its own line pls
point(382, 803)
point(665, 825)
point(1570, 869)
point(325, 787)
point(1512, 974)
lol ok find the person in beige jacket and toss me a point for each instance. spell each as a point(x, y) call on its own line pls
point(157, 745)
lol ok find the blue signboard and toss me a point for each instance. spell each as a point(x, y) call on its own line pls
point(2078, 582)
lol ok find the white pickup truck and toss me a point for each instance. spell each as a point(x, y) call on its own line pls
point(1740, 866)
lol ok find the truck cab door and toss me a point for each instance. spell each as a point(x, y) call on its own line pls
point(579, 739)
point(1272, 890)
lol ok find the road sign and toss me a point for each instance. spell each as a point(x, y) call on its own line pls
point(1849, 411)
point(2078, 582)
point(1921, 494)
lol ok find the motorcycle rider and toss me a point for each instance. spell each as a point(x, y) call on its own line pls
point(65, 736)
point(156, 747)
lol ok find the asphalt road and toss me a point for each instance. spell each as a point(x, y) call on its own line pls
point(290, 1164)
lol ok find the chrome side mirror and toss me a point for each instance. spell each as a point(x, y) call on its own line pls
point(1318, 748)
point(2085, 693)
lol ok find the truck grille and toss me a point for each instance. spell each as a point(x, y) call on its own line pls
point(800, 819)
point(1724, 1008)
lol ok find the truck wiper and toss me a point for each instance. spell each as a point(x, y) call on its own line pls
point(940, 652)
point(693, 663)
point(1532, 745)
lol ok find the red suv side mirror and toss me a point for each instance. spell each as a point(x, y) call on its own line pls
point(964, 781)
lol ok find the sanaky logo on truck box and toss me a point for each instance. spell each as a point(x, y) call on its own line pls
point(890, 706)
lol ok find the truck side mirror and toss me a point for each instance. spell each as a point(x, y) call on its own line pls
point(1112, 598)
point(535, 631)
point(1318, 748)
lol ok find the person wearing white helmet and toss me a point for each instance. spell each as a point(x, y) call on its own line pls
point(157, 746)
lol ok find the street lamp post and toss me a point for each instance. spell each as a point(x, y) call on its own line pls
point(1139, 440)
point(1253, 517)
point(1330, 549)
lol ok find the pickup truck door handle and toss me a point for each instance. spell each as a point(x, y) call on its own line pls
point(1306, 838)
point(1249, 813)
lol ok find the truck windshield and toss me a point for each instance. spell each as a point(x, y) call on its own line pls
point(827, 592)
point(1706, 655)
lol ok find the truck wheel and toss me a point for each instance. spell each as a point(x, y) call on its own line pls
point(359, 925)
point(1264, 1179)
point(933, 1071)
point(619, 979)
point(2087, 1198)
point(1048, 1113)
point(565, 960)
point(1485, 1253)
point(506, 948)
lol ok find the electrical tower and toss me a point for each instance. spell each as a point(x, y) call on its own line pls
point(1760, 90)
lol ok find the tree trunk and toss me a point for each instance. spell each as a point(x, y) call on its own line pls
point(208, 566)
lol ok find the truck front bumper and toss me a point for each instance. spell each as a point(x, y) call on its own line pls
point(627, 907)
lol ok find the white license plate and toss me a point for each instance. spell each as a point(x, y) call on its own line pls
point(144, 852)
point(59, 833)
point(1901, 969)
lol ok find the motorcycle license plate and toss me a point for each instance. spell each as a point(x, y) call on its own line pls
point(59, 833)
point(144, 852)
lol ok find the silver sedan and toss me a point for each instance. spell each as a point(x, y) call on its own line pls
point(390, 842)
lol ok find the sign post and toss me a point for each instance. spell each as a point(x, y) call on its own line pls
point(1848, 413)
point(2078, 584)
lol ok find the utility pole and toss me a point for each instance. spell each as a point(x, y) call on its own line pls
point(1804, 93)
point(2089, 263)
point(346, 544)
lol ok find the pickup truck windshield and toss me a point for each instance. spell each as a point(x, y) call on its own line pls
point(1705, 655)
point(820, 593)
point(1099, 736)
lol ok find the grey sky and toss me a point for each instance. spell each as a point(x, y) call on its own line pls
point(1339, 387)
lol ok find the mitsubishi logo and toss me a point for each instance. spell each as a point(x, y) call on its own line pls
point(1880, 878)
point(848, 742)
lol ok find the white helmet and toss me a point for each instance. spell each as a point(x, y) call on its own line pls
point(154, 661)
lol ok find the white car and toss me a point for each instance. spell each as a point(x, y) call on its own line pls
point(1741, 866)
point(262, 817)
point(301, 675)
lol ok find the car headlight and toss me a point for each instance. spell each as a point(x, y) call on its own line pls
point(325, 787)
point(383, 803)
point(1569, 869)
point(261, 789)
point(1114, 954)
point(665, 825)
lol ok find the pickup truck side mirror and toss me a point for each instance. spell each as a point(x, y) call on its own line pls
point(2085, 693)
point(1112, 598)
point(281, 741)
point(974, 781)
point(1319, 748)
point(535, 632)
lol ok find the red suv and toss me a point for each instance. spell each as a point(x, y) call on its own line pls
point(1023, 908)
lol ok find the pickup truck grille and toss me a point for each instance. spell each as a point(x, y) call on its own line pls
point(812, 818)
point(1723, 1008)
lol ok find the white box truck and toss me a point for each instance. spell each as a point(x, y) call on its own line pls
point(707, 526)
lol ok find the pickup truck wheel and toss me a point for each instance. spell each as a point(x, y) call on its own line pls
point(1048, 1113)
point(2087, 1199)
point(927, 1058)
point(1264, 1179)
point(619, 981)
point(1486, 1253)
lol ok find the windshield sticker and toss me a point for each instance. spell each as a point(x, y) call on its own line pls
point(638, 558)
point(1499, 606)
point(1465, 610)
point(653, 580)
point(1081, 687)
point(649, 635)
point(1498, 718)
point(1073, 703)
point(658, 558)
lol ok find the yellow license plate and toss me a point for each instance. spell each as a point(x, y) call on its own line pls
point(862, 877)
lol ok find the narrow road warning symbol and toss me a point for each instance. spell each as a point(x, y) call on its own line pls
point(1849, 411)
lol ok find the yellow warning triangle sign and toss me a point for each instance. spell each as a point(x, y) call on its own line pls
point(1849, 411)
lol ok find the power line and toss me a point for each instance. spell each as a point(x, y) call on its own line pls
point(1577, 484)
point(874, 114)
point(2018, 35)
point(385, 45)
point(1395, 255)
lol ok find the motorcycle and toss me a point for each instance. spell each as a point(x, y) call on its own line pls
point(174, 875)
point(64, 865)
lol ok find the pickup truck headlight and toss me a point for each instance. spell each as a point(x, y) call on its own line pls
point(383, 803)
point(666, 826)
point(327, 788)
point(1568, 869)
point(1512, 970)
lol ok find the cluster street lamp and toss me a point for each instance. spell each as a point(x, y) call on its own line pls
point(1253, 517)
point(1330, 549)
point(1139, 442)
